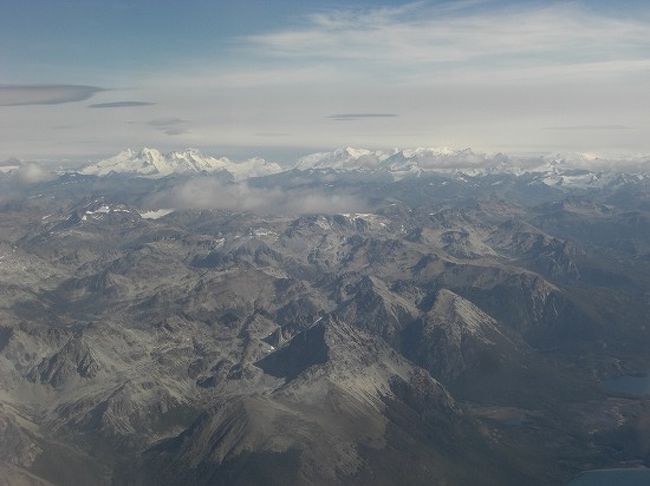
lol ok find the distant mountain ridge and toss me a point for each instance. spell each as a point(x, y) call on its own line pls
point(150, 162)
point(414, 161)
point(575, 169)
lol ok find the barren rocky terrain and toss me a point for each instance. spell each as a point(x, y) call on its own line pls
point(435, 328)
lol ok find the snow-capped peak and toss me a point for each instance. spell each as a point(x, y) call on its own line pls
point(400, 161)
point(150, 162)
point(343, 158)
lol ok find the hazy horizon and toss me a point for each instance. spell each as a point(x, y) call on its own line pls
point(288, 78)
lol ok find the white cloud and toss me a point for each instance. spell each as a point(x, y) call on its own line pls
point(32, 173)
point(556, 36)
point(44, 94)
point(210, 193)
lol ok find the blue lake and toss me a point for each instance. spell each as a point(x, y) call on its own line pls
point(613, 477)
point(631, 385)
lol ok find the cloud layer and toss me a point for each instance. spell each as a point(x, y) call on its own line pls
point(45, 94)
point(590, 127)
point(211, 193)
point(121, 104)
point(170, 125)
point(429, 39)
point(360, 116)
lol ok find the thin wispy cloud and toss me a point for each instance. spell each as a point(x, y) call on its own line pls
point(439, 41)
point(166, 122)
point(10, 162)
point(171, 126)
point(272, 134)
point(175, 131)
point(360, 116)
point(45, 94)
point(590, 127)
point(121, 104)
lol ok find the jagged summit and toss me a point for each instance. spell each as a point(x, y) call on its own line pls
point(150, 162)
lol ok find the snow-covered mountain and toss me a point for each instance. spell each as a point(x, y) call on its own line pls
point(405, 162)
point(343, 158)
point(559, 170)
point(153, 163)
point(562, 170)
point(423, 159)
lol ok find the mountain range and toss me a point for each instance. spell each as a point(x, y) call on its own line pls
point(182, 319)
point(561, 170)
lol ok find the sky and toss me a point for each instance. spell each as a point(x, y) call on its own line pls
point(82, 79)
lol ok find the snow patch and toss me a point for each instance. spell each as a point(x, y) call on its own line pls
point(155, 213)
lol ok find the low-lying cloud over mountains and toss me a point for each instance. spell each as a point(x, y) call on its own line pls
point(212, 193)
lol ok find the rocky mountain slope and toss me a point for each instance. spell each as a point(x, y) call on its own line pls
point(456, 330)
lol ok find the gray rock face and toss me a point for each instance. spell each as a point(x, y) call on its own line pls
point(456, 335)
point(74, 358)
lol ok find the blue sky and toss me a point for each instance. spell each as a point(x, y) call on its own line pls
point(87, 78)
